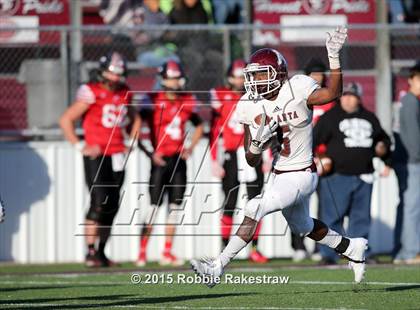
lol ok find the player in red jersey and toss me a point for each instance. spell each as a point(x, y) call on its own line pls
point(104, 107)
point(225, 123)
point(171, 109)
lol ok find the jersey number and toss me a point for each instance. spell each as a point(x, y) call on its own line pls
point(174, 129)
point(113, 115)
point(285, 149)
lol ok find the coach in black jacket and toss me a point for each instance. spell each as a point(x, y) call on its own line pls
point(353, 136)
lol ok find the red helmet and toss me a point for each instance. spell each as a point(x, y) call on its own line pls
point(172, 70)
point(271, 62)
point(235, 75)
point(115, 63)
point(236, 68)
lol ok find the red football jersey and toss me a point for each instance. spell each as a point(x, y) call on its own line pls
point(319, 110)
point(223, 103)
point(168, 122)
point(106, 118)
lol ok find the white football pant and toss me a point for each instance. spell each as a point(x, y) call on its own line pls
point(290, 193)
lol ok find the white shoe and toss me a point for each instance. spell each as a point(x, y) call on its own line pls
point(208, 269)
point(168, 259)
point(316, 257)
point(356, 255)
point(398, 261)
point(299, 255)
point(140, 263)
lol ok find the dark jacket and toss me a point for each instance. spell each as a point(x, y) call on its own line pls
point(351, 139)
point(186, 15)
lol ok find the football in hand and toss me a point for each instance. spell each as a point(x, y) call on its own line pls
point(258, 120)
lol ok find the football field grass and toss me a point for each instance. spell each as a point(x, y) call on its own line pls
point(309, 287)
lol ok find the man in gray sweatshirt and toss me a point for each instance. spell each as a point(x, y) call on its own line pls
point(410, 136)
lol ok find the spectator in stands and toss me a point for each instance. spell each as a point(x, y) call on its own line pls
point(147, 46)
point(353, 136)
point(410, 137)
point(152, 50)
point(119, 13)
point(122, 14)
point(149, 14)
point(228, 11)
point(411, 11)
point(197, 49)
point(407, 11)
point(395, 11)
point(188, 12)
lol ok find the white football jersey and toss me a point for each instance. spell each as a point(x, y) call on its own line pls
point(294, 117)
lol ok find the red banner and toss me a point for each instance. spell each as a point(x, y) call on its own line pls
point(323, 13)
point(32, 13)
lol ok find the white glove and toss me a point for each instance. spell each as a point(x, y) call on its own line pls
point(334, 44)
point(2, 211)
point(263, 135)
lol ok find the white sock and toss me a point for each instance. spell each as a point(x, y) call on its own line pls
point(235, 245)
point(332, 239)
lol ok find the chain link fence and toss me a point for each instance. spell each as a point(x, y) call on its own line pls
point(38, 78)
point(17, 62)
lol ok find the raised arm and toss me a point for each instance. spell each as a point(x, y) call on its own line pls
point(334, 45)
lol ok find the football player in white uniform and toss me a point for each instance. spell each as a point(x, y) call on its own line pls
point(276, 107)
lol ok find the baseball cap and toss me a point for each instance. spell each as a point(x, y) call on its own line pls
point(353, 88)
